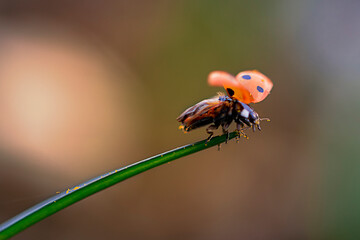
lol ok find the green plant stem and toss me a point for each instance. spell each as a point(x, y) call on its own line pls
point(81, 191)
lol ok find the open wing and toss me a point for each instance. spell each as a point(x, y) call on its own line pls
point(247, 87)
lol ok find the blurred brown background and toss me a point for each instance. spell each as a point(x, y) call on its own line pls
point(90, 86)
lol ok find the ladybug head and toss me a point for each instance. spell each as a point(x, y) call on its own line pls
point(254, 118)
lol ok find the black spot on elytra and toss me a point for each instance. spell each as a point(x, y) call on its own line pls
point(230, 92)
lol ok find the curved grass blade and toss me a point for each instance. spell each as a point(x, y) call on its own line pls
point(86, 189)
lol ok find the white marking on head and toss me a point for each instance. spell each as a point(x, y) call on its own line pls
point(244, 113)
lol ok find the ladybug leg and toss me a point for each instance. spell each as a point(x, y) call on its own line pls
point(239, 126)
point(253, 127)
point(210, 130)
point(225, 128)
point(240, 129)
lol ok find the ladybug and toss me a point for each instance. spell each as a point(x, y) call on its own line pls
point(244, 88)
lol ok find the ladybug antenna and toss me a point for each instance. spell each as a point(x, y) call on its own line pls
point(265, 119)
point(258, 125)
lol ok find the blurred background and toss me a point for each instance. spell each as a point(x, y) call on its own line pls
point(88, 87)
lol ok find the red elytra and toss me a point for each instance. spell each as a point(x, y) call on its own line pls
point(248, 86)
